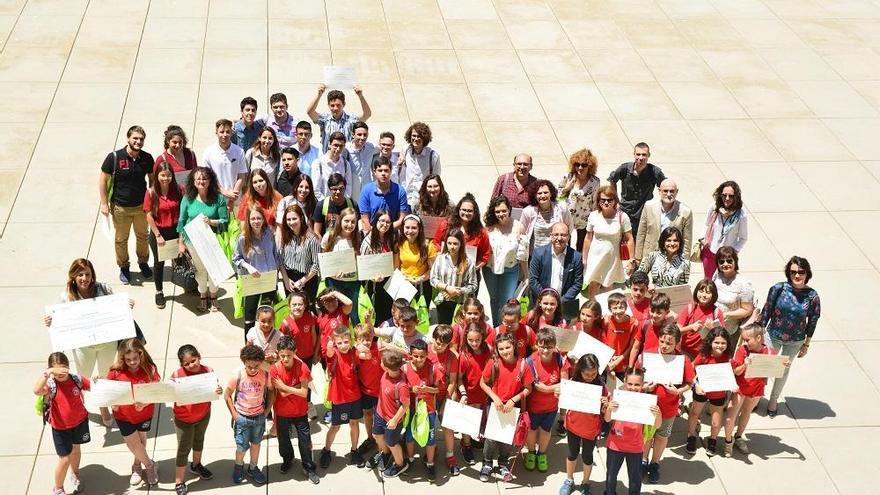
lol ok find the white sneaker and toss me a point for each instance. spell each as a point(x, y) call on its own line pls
point(58, 491)
point(741, 445)
point(75, 483)
point(137, 475)
point(152, 473)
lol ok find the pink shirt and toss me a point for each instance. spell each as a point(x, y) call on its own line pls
point(250, 393)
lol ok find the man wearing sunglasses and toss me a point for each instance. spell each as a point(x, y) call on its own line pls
point(638, 179)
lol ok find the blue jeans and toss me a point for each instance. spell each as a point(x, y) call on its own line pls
point(249, 431)
point(351, 290)
point(614, 461)
point(782, 348)
point(501, 288)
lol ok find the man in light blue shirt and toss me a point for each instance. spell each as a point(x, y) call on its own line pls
point(360, 153)
point(308, 154)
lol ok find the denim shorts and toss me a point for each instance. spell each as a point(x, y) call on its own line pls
point(542, 420)
point(432, 420)
point(341, 414)
point(249, 431)
point(380, 427)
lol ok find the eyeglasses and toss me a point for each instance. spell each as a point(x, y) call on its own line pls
point(800, 273)
point(581, 165)
point(726, 261)
point(606, 200)
point(338, 189)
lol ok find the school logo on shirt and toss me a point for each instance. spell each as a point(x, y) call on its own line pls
point(85, 437)
point(554, 377)
point(76, 392)
point(123, 164)
point(146, 424)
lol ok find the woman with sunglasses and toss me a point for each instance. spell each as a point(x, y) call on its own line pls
point(606, 228)
point(580, 188)
point(726, 225)
point(736, 296)
point(790, 316)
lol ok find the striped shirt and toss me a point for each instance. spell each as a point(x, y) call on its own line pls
point(329, 125)
point(301, 255)
point(443, 273)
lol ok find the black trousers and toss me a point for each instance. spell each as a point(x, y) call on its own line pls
point(170, 235)
point(285, 427)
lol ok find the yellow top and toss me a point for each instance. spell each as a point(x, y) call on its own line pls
point(409, 259)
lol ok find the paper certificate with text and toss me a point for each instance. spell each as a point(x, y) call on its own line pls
point(154, 393)
point(582, 397)
point(375, 266)
point(194, 389)
point(501, 426)
point(339, 77)
point(266, 282)
point(207, 247)
point(765, 366)
point(716, 377)
point(90, 321)
point(634, 407)
point(665, 369)
point(462, 418)
point(106, 393)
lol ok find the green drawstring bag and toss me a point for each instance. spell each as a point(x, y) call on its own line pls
point(523, 305)
point(238, 300)
point(38, 405)
point(229, 238)
point(421, 426)
point(282, 309)
point(365, 307)
point(421, 307)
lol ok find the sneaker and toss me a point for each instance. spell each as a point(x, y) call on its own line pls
point(432, 471)
point(377, 461)
point(181, 489)
point(486, 473)
point(125, 275)
point(529, 461)
point(653, 472)
point(58, 491)
point(75, 483)
point(542, 463)
point(357, 459)
point(560, 428)
point(452, 465)
point(256, 474)
point(691, 445)
point(152, 474)
point(567, 487)
point(711, 444)
point(644, 467)
point(146, 271)
point(160, 300)
point(394, 470)
point(505, 474)
point(137, 475)
point(285, 465)
point(313, 476)
point(585, 488)
point(467, 453)
point(327, 418)
point(324, 460)
point(366, 446)
point(201, 471)
point(741, 445)
point(728, 448)
point(238, 473)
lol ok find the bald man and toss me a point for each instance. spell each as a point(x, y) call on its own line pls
point(560, 267)
point(514, 185)
point(665, 211)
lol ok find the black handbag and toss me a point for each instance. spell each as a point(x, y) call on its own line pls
point(183, 273)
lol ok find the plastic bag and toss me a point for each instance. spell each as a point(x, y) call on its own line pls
point(421, 425)
point(421, 307)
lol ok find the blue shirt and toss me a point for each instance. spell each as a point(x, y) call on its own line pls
point(329, 125)
point(307, 159)
point(372, 200)
point(244, 136)
point(262, 256)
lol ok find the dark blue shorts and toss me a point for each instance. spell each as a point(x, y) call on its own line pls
point(542, 420)
point(65, 439)
point(127, 428)
point(380, 427)
point(369, 402)
point(341, 414)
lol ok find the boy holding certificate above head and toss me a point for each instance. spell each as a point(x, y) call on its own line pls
point(391, 412)
point(344, 394)
point(289, 378)
point(247, 396)
point(626, 439)
point(190, 421)
point(426, 381)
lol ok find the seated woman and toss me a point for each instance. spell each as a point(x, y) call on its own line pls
point(665, 266)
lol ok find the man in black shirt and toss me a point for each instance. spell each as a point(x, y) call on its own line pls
point(125, 170)
point(638, 178)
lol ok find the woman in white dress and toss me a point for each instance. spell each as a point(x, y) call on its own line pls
point(606, 227)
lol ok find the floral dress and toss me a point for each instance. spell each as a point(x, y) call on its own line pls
point(581, 200)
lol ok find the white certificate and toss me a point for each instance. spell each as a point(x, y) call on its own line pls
point(516, 213)
point(679, 296)
point(765, 366)
point(195, 389)
point(501, 426)
point(521, 289)
point(471, 252)
point(169, 250)
point(634, 407)
point(106, 223)
point(266, 282)
point(665, 369)
point(339, 76)
point(106, 393)
point(90, 321)
point(430, 225)
point(578, 396)
point(207, 247)
point(716, 377)
point(318, 384)
point(398, 287)
point(336, 262)
point(373, 266)
point(154, 393)
point(588, 345)
point(565, 339)
point(462, 418)
point(602, 299)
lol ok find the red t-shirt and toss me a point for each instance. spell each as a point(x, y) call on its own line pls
point(749, 387)
point(395, 392)
point(524, 339)
point(370, 371)
point(167, 211)
point(619, 336)
point(641, 311)
point(625, 437)
point(460, 340)
point(512, 378)
point(128, 413)
point(67, 409)
point(595, 331)
point(471, 368)
point(327, 324)
point(548, 374)
point(712, 359)
point(344, 387)
point(304, 332)
point(422, 376)
point(584, 425)
point(447, 363)
point(290, 406)
point(191, 413)
point(651, 340)
point(263, 202)
point(667, 402)
point(479, 241)
point(691, 342)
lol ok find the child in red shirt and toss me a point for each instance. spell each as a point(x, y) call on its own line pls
point(668, 399)
point(472, 360)
point(699, 317)
point(344, 394)
point(333, 310)
point(546, 367)
point(425, 381)
point(523, 335)
point(134, 364)
point(369, 367)
point(471, 311)
point(547, 311)
point(646, 339)
point(507, 381)
point(619, 332)
point(67, 415)
point(589, 319)
point(444, 359)
point(394, 400)
point(582, 429)
point(289, 377)
point(302, 326)
point(625, 440)
point(717, 349)
point(191, 420)
point(639, 303)
point(743, 402)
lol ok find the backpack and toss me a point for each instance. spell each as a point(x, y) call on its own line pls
point(44, 402)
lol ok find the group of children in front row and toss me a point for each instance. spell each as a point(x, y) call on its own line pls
point(380, 374)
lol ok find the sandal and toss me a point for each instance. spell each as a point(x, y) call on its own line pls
point(214, 307)
point(203, 304)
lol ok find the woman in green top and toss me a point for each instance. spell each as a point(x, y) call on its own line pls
point(202, 197)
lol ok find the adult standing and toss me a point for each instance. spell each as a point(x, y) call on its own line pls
point(580, 189)
point(433, 199)
point(665, 266)
point(265, 155)
point(659, 214)
point(515, 185)
point(417, 161)
point(466, 216)
point(124, 172)
point(308, 154)
point(247, 129)
point(414, 255)
point(331, 162)
point(380, 239)
point(181, 158)
point(606, 228)
point(298, 249)
point(327, 210)
point(360, 154)
point(227, 162)
point(543, 211)
point(510, 254)
point(558, 267)
point(280, 120)
point(638, 179)
point(736, 296)
point(726, 225)
point(256, 255)
point(162, 206)
point(382, 195)
point(790, 316)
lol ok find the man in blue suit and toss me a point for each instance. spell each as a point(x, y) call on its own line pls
point(558, 266)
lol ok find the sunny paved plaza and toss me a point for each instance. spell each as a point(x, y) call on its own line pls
point(782, 96)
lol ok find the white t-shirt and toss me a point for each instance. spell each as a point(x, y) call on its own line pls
point(226, 164)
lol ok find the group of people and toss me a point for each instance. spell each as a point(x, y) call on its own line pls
point(292, 201)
